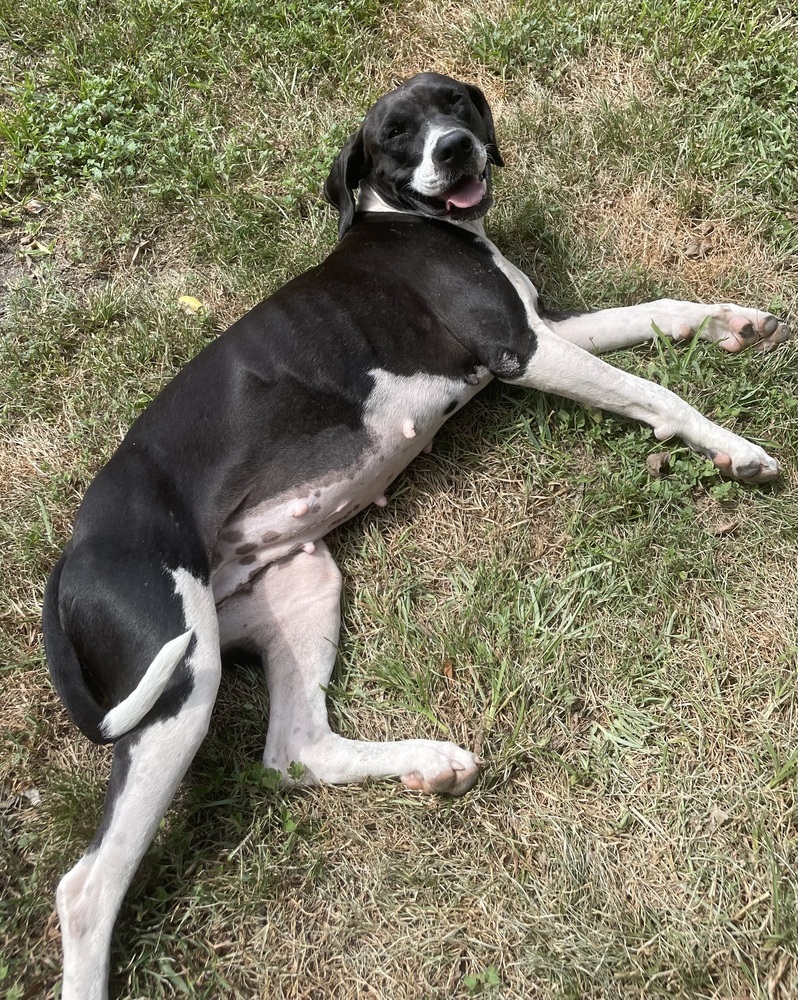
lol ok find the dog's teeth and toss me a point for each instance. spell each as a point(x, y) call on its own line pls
point(409, 428)
point(299, 508)
point(381, 501)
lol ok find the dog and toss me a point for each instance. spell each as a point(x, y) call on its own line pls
point(204, 532)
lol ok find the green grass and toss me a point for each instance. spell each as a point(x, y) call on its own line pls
point(620, 649)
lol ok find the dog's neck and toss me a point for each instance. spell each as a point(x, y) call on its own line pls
point(369, 201)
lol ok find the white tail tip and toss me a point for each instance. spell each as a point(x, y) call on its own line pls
point(128, 713)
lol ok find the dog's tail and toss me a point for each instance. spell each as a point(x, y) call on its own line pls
point(98, 723)
point(129, 712)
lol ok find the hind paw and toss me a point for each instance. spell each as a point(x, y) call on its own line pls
point(442, 769)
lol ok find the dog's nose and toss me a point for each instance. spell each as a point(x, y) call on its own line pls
point(454, 146)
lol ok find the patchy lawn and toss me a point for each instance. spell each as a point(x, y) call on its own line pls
point(621, 649)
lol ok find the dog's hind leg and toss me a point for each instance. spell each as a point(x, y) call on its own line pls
point(291, 618)
point(149, 763)
point(729, 326)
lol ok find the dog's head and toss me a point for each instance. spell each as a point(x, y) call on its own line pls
point(425, 147)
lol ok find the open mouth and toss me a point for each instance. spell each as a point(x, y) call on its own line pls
point(468, 192)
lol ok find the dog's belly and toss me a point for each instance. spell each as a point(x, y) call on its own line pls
point(401, 415)
point(275, 529)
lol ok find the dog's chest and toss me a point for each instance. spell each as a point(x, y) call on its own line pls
point(401, 415)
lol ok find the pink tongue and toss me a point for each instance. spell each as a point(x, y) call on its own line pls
point(466, 193)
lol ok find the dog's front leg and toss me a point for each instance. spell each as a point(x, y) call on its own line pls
point(729, 326)
point(558, 366)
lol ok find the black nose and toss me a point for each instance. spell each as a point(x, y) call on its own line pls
point(454, 146)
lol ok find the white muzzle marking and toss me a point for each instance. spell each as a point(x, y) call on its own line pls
point(428, 178)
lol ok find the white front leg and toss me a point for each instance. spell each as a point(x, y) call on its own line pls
point(562, 368)
point(566, 368)
point(729, 326)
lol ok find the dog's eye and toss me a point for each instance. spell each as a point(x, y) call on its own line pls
point(395, 132)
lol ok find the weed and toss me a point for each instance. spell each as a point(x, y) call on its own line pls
point(477, 982)
point(96, 138)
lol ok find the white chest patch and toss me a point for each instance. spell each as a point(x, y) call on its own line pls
point(401, 415)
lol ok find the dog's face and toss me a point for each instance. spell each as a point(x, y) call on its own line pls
point(426, 147)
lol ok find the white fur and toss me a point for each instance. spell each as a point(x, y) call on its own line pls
point(560, 367)
point(292, 614)
point(615, 329)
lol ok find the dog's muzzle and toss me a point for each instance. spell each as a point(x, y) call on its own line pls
point(459, 155)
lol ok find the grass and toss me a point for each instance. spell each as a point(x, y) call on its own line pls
point(620, 649)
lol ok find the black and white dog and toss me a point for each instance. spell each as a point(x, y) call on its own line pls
point(204, 530)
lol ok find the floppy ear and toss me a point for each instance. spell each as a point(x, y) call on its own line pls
point(347, 171)
point(482, 106)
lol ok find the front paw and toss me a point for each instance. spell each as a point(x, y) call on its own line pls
point(747, 465)
point(736, 328)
